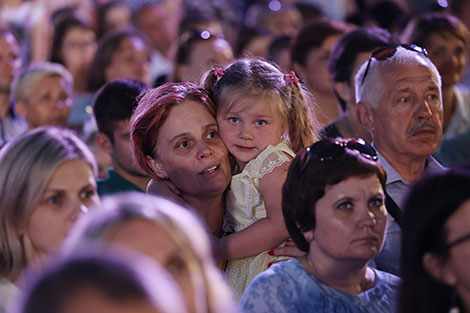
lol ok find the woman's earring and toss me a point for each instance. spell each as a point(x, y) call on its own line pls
point(454, 308)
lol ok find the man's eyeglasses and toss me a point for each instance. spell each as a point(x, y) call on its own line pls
point(329, 150)
point(385, 53)
point(457, 241)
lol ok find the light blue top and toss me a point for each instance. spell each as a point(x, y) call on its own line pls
point(288, 287)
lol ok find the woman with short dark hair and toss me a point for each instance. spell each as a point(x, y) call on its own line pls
point(334, 209)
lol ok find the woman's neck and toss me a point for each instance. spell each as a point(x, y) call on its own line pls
point(346, 276)
point(448, 102)
point(210, 209)
point(4, 105)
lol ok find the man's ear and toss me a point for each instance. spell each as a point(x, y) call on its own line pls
point(436, 266)
point(364, 115)
point(344, 91)
point(156, 167)
point(104, 143)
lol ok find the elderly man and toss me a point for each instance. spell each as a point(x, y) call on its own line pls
point(399, 101)
point(42, 94)
point(11, 124)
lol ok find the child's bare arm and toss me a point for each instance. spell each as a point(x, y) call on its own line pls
point(265, 234)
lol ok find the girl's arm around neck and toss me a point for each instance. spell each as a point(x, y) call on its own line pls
point(266, 233)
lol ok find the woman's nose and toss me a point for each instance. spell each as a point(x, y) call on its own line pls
point(204, 150)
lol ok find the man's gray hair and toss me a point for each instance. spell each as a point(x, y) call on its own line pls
point(27, 79)
point(370, 91)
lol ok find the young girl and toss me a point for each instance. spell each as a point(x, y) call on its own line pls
point(264, 118)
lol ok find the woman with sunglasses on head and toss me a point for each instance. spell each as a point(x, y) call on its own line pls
point(333, 205)
point(436, 245)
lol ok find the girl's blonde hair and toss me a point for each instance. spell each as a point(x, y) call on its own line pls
point(256, 77)
point(27, 164)
point(181, 225)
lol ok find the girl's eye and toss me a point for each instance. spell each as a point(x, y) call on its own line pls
point(345, 206)
point(260, 123)
point(233, 120)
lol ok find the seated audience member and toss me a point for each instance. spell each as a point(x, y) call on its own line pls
point(446, 40)
point(198, 19)
point(42, 94)
point(436, 245)
point(310, 52)
point(113, 107)
point(73, 46)
point(399, 101)
point(454, 150)
point(160, 21)
point(105, 282)
point(168, 233)
point(279, 53)
point(112, 16)
point(11, 124)
point(252, 42)
point(277, 19)
point(175, 138)
point(332, 187)
point(349, 53)
point(198, 52)
point(121, 54)
point(47, 179)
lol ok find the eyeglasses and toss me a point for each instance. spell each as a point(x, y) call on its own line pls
point(457, 241)
point(329, 150)
point(385, 53)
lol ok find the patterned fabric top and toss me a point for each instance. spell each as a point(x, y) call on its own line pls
point(288, 287)
point(244, 201)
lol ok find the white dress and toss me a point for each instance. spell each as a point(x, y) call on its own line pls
point(246, 206)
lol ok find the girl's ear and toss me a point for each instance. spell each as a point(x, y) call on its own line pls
point(439, 269)
point(156, 167)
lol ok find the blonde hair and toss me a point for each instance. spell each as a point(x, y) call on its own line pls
point(27, 164)
point(180, 224)
point(256, 77)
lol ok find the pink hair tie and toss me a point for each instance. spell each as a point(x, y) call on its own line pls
point(291, 78)
point(219, 72)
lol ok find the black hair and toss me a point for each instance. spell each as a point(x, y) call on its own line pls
point(349, 46)
point(116, 102)
point(428, 206)
point(307, 179)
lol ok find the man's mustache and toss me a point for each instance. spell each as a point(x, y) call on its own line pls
point(422, 124)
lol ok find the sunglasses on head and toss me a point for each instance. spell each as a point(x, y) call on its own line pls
point(385, 53)
point(329, 150)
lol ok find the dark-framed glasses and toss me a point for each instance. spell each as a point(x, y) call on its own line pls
point(387, 52)
point(457, 241)
point(328, 150)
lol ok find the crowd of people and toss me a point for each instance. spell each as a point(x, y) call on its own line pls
point(234, 156)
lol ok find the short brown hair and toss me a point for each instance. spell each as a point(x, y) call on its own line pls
point(306, 182)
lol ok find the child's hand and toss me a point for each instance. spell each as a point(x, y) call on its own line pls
point(289, 249)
